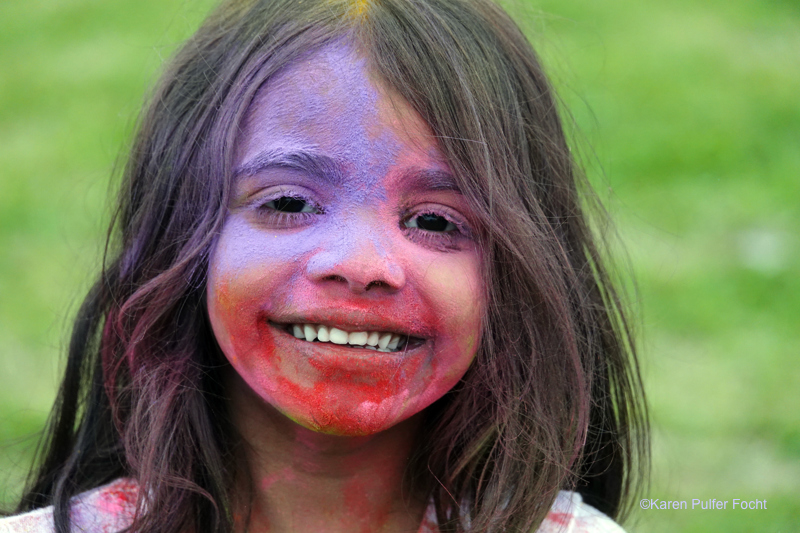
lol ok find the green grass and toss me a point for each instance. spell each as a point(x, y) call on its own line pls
point(693, 115)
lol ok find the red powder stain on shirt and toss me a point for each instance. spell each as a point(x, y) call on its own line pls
point(108, 509)
point(561, 519)
point(118, 498)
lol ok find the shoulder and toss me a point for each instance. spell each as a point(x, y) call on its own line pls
point(570, 514)
point(106, 509)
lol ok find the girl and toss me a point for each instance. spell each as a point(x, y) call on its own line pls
point(349, 287)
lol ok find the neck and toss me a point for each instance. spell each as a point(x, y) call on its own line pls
point(301, 480)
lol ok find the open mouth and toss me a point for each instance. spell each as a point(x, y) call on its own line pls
point(381, 341)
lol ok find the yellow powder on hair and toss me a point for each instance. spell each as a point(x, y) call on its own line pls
point(359, 8)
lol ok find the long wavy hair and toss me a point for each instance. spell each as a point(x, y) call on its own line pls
point(553, 399)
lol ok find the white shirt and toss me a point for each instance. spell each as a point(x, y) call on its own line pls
point(110, 508)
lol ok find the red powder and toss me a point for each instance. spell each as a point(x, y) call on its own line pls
point(561, 519)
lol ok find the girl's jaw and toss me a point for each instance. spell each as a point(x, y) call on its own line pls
point(346, 230)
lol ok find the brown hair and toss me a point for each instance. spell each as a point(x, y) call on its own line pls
point(553, 400)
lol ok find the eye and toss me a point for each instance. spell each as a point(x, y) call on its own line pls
point(284, 209)
point(436, 226)
point(290, 204)
point(431, 222)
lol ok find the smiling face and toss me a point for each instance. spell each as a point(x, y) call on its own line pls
point(345, 287)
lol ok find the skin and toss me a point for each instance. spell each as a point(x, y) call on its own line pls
point(383, 242)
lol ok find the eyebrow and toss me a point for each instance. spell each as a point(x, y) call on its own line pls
point(325, 167)
point(430, 180)
point(302, 160)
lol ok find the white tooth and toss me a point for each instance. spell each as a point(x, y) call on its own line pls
point(372, 340)
point(384, 350)
point(358, 338)
point(298, 331)
point(310, 332)
point(393, 343)
point(322, 334)
point(384, 340)
point(368, 347)
point(338, 336)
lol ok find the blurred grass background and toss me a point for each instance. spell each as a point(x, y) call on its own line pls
point(692, 110)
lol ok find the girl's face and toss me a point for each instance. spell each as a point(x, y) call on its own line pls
point(345, 287)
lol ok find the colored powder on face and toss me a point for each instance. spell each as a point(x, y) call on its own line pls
point(264, 273)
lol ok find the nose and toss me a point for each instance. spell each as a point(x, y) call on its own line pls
point(359, 259)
